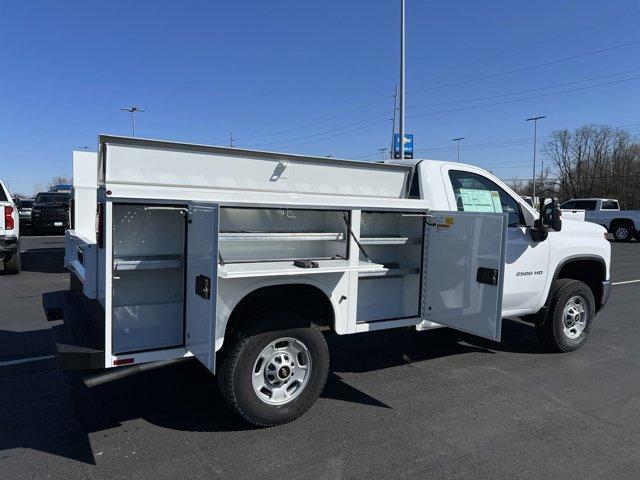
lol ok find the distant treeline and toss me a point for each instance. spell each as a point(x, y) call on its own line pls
point(591, 161)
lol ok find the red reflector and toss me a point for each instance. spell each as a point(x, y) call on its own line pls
point(122, 361)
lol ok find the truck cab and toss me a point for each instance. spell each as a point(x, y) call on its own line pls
point(245, 260)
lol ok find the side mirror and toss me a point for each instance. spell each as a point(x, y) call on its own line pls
point(549, 215)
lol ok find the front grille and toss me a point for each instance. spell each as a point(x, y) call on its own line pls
point(62, 216)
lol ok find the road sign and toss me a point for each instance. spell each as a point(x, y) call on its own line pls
point(408, 145)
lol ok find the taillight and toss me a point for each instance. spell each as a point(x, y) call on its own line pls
point(9, 224)
point(99, 225)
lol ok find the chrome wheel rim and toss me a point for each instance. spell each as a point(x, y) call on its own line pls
point(282, 371)
point(574, 317)
point(622, 233)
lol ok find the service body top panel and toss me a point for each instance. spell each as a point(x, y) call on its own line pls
point(146, 162)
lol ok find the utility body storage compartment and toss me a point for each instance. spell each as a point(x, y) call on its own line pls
point(182, 236)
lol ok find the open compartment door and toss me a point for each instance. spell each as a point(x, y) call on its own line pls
point(201, 281)
point(463, 271)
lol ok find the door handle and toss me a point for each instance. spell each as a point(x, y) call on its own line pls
point(488, 276)
point(203, 287)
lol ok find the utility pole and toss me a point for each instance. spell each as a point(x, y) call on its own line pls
point(132, 110)
point(393, 125)
point(457, 140)
point(535, 138)
point(402, 66)
point(231, 139)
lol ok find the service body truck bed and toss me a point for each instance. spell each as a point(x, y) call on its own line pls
point(237, 257)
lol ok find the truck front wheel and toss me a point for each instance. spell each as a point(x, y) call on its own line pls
point(274, 369)
point(570, 316)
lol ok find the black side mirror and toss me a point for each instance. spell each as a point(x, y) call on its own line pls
point(549, 215)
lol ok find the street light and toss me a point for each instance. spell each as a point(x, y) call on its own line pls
point(535, 138)
point(401, 122)
point(457, 140)
point(132, 110)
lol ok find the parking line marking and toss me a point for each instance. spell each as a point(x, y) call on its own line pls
point(26, 360)
point(628, 281)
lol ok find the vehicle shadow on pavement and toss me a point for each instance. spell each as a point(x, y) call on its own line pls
point(55, 412)
point(43, 260)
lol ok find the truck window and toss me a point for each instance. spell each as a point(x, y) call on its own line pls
point(568, 205)
point(464, 183)
point(589, 205)
point(609, 205)
point(3, 196)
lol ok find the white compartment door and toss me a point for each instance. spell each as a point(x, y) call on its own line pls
point(201, 282)
point(464, 270)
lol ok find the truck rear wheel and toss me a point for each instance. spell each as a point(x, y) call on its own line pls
point(570, 316)
point(622, 232)
point(12, 264)
point(274, 369)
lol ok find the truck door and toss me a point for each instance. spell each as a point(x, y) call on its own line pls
point(201, 281)
point(464, 262)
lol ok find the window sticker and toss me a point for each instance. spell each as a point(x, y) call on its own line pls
point(480, 200)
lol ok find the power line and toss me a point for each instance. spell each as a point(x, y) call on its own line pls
point(462, 82)
point(317, 122)
point(320, 133)
point(529, 67)
point(523, 99)
point(524, 91)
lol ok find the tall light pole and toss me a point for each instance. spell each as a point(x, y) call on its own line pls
point(401, 120)
point(457, 140)
point(132, 110)
point(535, 139)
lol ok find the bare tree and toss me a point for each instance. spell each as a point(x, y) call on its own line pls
point(596, 161)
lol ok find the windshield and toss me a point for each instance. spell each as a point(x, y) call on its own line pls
point(26, 203)
point(53, 198)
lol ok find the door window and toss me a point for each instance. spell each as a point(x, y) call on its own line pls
point(609, 205)
point(471, 190)
point(588, 205)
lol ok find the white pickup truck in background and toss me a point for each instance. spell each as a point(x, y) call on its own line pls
point(622, 224)
point(9, 232)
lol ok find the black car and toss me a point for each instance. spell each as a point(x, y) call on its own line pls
point(24, 206)
point(50, 211)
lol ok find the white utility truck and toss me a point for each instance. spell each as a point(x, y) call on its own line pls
point(9, 232)
point(245, 260)
point(622, 224)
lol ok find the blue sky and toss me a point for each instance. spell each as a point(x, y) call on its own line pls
point(263, 70)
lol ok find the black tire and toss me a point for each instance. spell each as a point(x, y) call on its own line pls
point(35, 231)
point(622, 232)
point(12, 264)
point(239, 359)
point(552, 331)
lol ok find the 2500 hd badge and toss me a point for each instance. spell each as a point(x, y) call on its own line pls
point(525, 274)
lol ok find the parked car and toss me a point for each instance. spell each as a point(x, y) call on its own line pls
point(50, 212)
point(9, 233)
point(24, 206)
point(622, 224)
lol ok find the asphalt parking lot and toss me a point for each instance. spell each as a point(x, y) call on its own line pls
point(397, 404)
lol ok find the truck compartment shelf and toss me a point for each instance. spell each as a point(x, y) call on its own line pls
point(268, 269)
point(390, 273)
point(147, 263)
point(280, 236)
point(389, 240)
